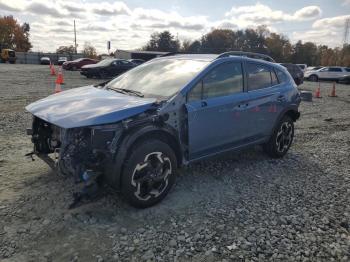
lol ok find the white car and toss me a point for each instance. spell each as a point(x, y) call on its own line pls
point(45, 60)
point(61, 60)
point(327, 73)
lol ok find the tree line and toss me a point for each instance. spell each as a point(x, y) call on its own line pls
point(16, 36)
point(259, 40)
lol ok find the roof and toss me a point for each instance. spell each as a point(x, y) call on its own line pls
point(143, 52)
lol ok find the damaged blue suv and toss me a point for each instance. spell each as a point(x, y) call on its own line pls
point(136, 130)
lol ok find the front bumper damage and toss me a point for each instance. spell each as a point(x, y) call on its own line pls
point(79, 152)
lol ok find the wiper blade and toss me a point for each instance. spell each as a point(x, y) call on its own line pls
point(127, 91)
point(102, 84)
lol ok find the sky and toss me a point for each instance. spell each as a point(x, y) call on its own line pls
point(129, 24)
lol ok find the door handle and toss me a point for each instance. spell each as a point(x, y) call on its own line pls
point(204, 103)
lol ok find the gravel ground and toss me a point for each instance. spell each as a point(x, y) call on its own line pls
point(237, 207)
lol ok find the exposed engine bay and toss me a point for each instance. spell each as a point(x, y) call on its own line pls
point(80, 152)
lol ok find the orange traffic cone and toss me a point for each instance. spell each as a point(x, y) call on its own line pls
point(52, 70)
point(332, 94)
point(58, 88)
point(318, 92)
point(59, 79)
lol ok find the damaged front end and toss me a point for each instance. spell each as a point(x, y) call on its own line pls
point(74, 151)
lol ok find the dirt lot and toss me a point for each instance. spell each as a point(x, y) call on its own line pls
point(238, 207)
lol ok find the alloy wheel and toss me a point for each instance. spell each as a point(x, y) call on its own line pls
point(151, 176)
point(284, 137)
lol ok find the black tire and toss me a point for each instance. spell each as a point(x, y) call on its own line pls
point(149, 173)
point(313, 78)
point(74, 68)
point(281, 139)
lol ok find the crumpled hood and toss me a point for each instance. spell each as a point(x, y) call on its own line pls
point(87, 106)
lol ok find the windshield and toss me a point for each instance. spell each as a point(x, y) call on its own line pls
point(159, 78)
point(105, 62)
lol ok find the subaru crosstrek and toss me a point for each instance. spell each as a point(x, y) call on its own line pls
point(136, 130)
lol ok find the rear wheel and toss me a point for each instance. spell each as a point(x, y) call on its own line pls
point(149, 173)
point(281, 139)
point(313, 78)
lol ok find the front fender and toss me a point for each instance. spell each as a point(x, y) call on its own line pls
point(114, 166)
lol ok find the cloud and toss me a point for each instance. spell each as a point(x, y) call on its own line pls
point(346, 2)
point(307, 13)
point(42, 9)
point(107, 9)
point(6, 7)
point(130, 28)
point(262, 14)
point(331, 22)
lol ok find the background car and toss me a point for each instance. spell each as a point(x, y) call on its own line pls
point(137, 61)
point(45, 60)
point(302, 67)
point(107, 68)
point(331, 73)
point(62, 60)
point(345, 79)
point(295, 71)
point(78, 63)
point(314, 68)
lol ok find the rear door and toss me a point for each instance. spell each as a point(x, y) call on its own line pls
point(336, 72)
point(266, 97)
point(217, 109)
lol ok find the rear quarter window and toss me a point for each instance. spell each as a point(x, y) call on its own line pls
point(282, 77)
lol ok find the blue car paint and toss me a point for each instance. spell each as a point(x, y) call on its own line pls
point(88, 106)
point(221, 126)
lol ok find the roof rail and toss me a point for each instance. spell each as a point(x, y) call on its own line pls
point(247, 54)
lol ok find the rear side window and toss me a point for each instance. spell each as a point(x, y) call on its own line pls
point(223, 80)
point(274, 78)
point(347, 69)
point(335, 69)
point(259, 76)
point(282, 77)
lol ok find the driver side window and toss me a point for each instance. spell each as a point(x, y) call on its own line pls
point(225, 79)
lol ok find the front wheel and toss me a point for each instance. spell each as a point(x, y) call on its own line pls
point(149, 173)
point(313, 78)
point(281, 139)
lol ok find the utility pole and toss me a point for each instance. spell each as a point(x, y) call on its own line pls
point(75, 38)
point(346, 31)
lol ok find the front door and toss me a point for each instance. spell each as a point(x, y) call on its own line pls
point(217, 111)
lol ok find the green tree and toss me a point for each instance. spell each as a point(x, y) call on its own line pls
point(164, 42)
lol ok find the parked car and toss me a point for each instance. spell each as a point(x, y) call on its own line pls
point(78, 63)
point(295, 71)
point(314, 68)
point(345, 79)
point(302, 67)
point(45, 60)
point(136, 130)
point(62, 60)
point(331, 73)
point(137, 61)
point(106, 68)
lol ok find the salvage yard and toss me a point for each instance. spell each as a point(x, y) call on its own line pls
point(237, 207)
